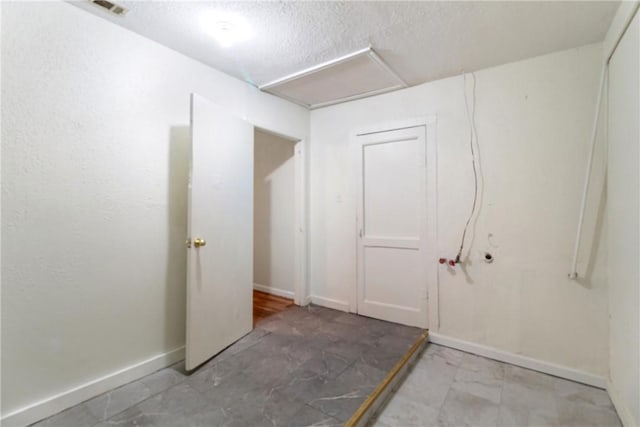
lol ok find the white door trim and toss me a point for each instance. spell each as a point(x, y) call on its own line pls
point(300, 288)
point(431, 241)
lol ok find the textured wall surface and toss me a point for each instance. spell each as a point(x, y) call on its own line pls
point(274, 212)
point(623, 198)
point(95, 150)
point(533, 121)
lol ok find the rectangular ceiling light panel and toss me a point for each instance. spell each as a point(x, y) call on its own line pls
point(357, 75)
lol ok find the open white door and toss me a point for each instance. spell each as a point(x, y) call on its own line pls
point(392, 224)
point(220, 227)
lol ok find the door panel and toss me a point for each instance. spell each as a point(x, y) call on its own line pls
point(220, 273)
point(389, 181)
point(392, 226)
point(397, 266)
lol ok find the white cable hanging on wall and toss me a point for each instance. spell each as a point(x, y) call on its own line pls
point(473, 134)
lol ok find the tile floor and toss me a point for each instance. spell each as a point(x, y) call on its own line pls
point(301, 367)
point(447, 387)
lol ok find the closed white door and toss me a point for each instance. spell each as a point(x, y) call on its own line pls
point(220, 227)
point(392, 226)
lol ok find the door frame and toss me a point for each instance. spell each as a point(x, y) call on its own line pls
point(301, 292)
point(430, 257)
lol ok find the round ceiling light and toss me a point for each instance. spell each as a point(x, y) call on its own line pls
point(227, 28)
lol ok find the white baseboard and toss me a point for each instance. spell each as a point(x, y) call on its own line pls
point(52, 405)
point(621, 408)
point(519, 360)
point(306, 301)
point(330, 303)
point(273, 291)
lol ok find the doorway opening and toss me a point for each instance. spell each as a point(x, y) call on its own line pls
point(277, 163)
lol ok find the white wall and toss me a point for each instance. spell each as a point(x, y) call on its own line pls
point(623, 198)
point(533, 120)
point(94, 172)
point(274, 214)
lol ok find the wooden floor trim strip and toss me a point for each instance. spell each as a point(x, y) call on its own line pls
point(358, 419)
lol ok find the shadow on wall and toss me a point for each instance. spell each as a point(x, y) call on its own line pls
point(262, 230)
point(176, 274)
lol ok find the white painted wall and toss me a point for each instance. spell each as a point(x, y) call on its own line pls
point(274, 214)
point(533, 121)
point(623, 198)
point(94, 172)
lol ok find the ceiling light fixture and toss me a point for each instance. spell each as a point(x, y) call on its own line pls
point(227, 28)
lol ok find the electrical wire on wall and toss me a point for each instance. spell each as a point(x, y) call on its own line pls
point(473, 134)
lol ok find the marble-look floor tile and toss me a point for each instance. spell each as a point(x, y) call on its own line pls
point(304, 386)
point(519, 417)
point(213, 415)
point(213, 375)
point(394, 329)
point(464, 409)
point(132, 417)
point(324, 313)
point(533, 379)
point(429, 381)
point(294, 314)
point(400, 411)
point(350, 333)
point(449, 355)
point(163, 379)
point(270, 369)
point(326, 364)
point(279, 327)
point(470, 390)
point(311, 417)
point(340, 398)
point(581, 393)
point(108, 404)
point(319, 340)
point(395, 342)
point(173, 407)
point(479, 383)
point(380, 356)
point(303, 367)
point(363, 375)
point(249, 340)
point(526, 404)
point(480, 376)
point(76, 416)
point(269, 408)
point(377, 422)
point(227, 395)
point(579, 414)
point(347, 349)
point(352, 319)
point(309, 326)
point(291, 347)
point(486, 367)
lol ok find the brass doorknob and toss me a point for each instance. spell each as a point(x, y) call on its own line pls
point(199, 242)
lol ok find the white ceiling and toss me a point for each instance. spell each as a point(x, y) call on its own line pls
point(421, 41)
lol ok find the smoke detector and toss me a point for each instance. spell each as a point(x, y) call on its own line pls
point(111, 7)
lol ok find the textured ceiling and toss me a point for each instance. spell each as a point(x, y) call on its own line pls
point(421, 41)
